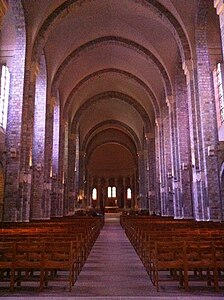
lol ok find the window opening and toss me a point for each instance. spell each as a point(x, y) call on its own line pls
point(4, 99)
point(94, 194)
point(111, 192)
point(128, 193)
point(220, 91)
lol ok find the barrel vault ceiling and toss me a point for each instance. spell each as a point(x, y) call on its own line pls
point(112, 62)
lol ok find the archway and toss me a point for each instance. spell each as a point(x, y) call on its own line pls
point(112, 171)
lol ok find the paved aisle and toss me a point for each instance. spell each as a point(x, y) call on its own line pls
point(113, 267)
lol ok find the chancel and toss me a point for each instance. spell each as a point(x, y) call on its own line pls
point(112, 148)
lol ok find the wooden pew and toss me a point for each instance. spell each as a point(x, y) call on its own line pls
point(146, 232)
point(26, 262)
point(30, 245)
point(7, 252)
point(60, 257)
point(167, 256)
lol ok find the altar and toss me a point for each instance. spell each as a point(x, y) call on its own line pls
point(111, 209)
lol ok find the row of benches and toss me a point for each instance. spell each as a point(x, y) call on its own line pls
point(46, 251)
point(185, 249)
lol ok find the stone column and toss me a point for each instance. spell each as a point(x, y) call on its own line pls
point(133, 191)
point(161, 169)
point(168, 155)
point(124, 192)
point(141, 168)
point(99, 192)
point(55, 159)
point(48, 149)
point(175, 157)
point(37, 158)
point(23, 211)
point(88, 189)
point(82, 174)
point(209, 174)
point(15, 172)
point(70, 184)
point(107, 181)
point(61, 162)
point(184, 207)
point(151, 171)
point(200, 213)
point(136, 188)
point(219, 5)
point(159, 188)
point(91, 186)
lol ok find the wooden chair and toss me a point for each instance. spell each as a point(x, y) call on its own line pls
point(200, 263)
point(60, 256)
point(27, 264)
point(7, 252)
point(219, 261)
point(168, 256)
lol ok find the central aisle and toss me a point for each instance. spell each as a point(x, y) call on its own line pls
point(113, 271)
point(113, 267)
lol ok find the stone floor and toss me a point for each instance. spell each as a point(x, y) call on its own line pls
point(112, 271)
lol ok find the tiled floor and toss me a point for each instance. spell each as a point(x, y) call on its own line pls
point(113, 271)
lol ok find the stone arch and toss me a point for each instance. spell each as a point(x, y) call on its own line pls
point(113, 40)
point(111, 141)
point(112, 122)
point(112, 94)
point(164, 15)
point(118, 71)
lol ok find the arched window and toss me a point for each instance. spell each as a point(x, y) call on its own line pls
point(5, 79)
point(128, 193)
point(220, 90)
point(111, 192)
point(94, 194)
point(219, 98)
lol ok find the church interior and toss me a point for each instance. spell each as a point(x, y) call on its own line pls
point(112, 131)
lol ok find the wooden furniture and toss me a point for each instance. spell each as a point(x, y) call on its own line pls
point(201, 249)
point(44, 251)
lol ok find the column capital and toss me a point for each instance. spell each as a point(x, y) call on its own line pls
point(158, 122)
point(82, 154)
point(219, 5)
point(170, 102)
point(34, 70)
point(52, 103)
point(149, 135)
point(187, 66)
point(72, 136)
point(141, 153)
point(3, 8)
point(64, 122)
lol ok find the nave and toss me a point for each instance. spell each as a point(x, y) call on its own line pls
point(113, 271)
